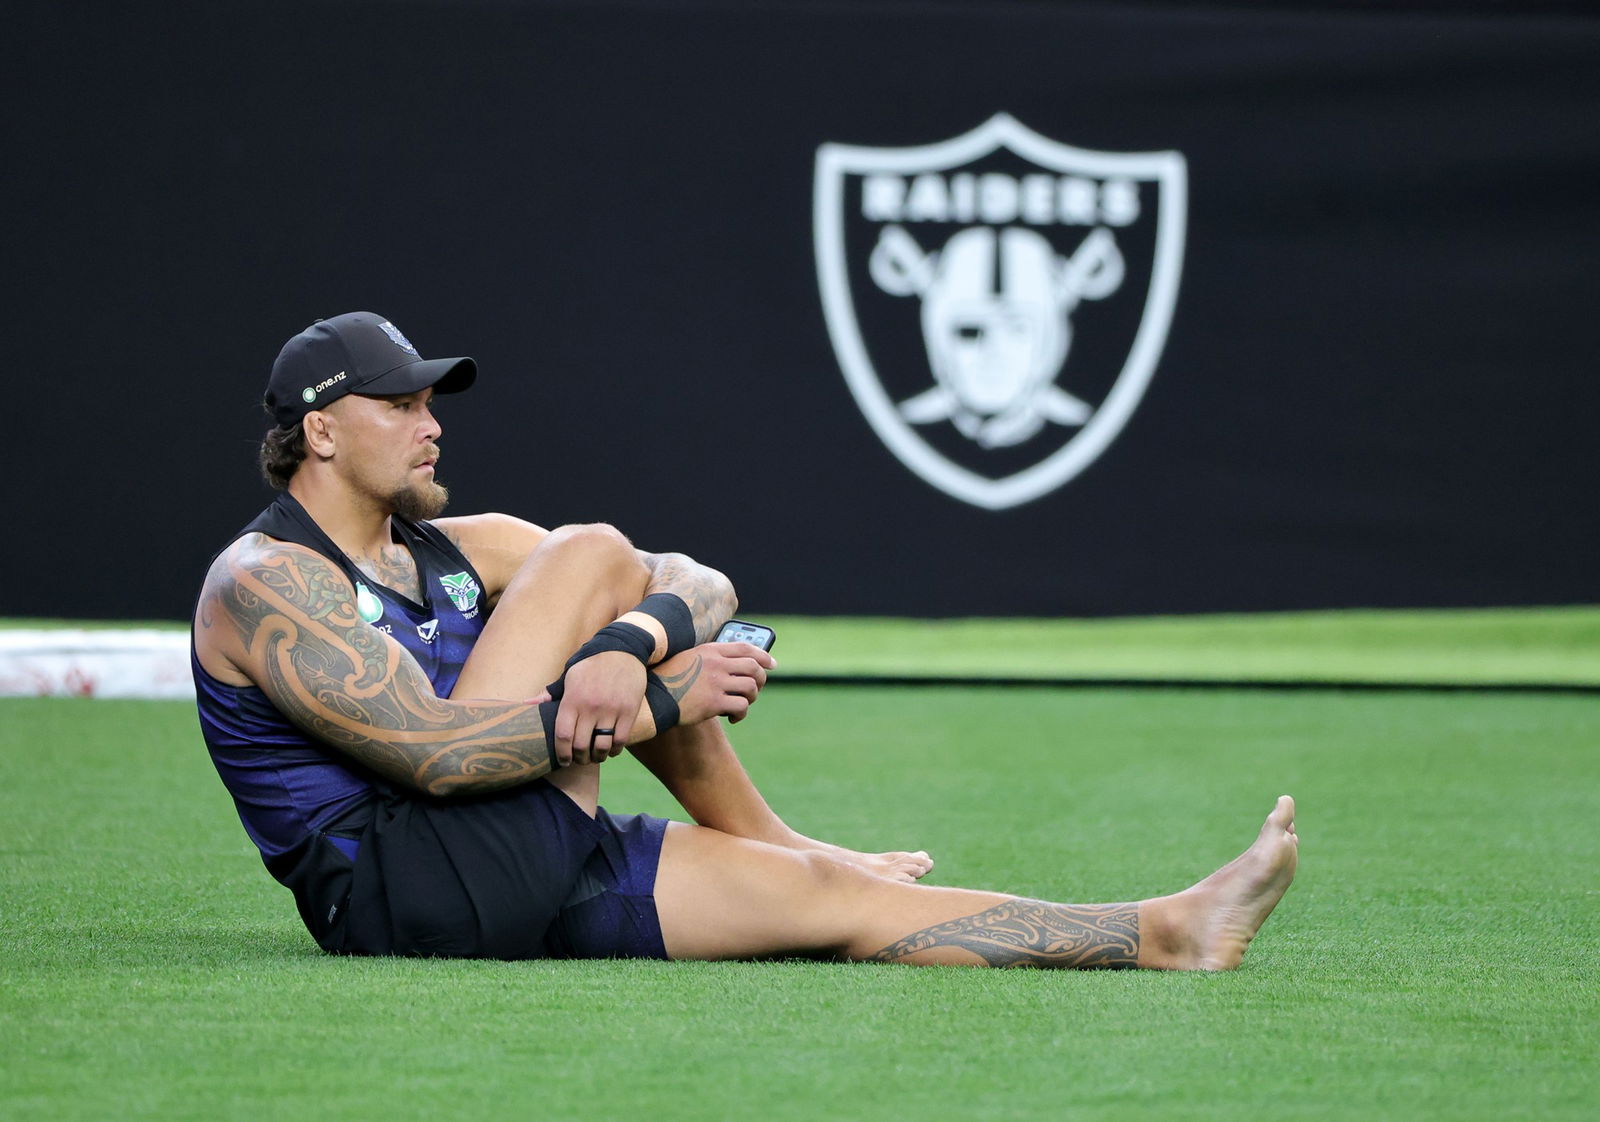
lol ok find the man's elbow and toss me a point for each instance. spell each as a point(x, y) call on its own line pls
point(720, 605)
point(728, 594)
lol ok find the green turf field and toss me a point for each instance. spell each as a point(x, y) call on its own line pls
point(1559, 646)
point(1436, 957)
point(1514, 646)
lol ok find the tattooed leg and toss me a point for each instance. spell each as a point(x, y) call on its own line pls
point(722, 897)
point(1033, 933)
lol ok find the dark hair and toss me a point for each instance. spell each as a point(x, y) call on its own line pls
point(282, 449)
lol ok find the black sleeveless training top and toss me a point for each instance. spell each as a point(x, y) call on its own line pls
point(287, 786)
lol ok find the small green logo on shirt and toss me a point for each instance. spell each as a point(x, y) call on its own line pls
point(368, 606)
point(463, 590)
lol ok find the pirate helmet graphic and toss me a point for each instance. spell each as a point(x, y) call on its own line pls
point(1038, 282)
point(995, 320)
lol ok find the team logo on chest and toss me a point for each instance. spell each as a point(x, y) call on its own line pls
point(998, 301)
point(463, 592)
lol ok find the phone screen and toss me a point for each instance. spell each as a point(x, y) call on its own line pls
point(738, 631)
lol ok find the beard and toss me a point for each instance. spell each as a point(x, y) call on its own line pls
point(420, 502)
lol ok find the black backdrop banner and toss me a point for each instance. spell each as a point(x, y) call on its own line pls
point(898, 308)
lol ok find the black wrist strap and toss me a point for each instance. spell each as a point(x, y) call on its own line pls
point(673, 614)
point(664, 712)
point(547, 716)
point(617, 637)
point(663, 706)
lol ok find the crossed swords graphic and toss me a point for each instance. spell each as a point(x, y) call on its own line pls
point(900, 267)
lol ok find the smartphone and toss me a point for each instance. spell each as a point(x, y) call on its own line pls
point(738, 631)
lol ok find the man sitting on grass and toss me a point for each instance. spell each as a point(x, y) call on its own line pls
point(411, 716)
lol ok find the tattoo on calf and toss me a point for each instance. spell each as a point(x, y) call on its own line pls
point(1035, 933)
point(350, 687)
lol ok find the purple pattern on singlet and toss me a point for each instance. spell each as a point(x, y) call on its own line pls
point(284, 785)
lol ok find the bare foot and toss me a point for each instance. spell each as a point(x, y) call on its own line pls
point(1208, 926)
point(907, 867)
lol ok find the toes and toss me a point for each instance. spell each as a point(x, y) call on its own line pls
point(918, 864)
point(1282, 815)
point(908, 867)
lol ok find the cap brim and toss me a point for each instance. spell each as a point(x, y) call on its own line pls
point(445, 375)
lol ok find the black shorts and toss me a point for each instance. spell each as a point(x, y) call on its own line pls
point(524, 873)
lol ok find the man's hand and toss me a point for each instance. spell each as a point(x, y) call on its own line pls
point(606, 691)
point(716, 680)
point(602, 692)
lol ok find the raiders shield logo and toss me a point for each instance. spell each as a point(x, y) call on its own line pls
point(998, 301)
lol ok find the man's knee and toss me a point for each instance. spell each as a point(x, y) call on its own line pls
point(602, 548)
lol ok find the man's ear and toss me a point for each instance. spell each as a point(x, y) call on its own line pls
point(318, 428)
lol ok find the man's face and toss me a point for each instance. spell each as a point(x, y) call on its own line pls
point(387, 449)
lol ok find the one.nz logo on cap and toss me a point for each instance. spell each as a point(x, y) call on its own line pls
point(998, 301)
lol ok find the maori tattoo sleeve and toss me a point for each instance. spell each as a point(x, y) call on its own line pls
point(708, 593)
point(357, 690)
point(1035, 933)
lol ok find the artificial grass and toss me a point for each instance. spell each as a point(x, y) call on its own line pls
point(1434, 959)
point(1554, 646)
point(1482, 646)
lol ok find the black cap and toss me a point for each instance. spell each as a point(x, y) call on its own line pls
point(358, 352)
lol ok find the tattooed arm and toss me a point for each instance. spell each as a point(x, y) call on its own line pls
point(708, 593)
point(284, 618)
